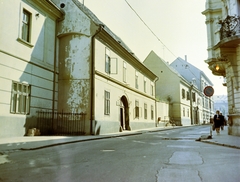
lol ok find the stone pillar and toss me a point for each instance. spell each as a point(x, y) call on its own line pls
point(233, 84)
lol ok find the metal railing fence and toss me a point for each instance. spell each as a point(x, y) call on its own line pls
point(60, 123)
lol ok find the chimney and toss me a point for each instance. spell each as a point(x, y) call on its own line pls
point(185, 57)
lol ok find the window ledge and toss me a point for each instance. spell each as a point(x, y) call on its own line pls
point(25, 42)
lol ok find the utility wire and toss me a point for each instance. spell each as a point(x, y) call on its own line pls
point(157, 36)
point(149, 28)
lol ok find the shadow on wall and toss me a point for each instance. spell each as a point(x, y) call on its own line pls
point(30, 123)
point(97, 128)
point(39, 75)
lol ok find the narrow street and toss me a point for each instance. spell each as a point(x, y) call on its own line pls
point(171, 155)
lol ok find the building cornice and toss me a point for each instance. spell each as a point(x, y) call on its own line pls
point(210, 11)
point(106, 38)
point(48, 6)
point(45, 67)
point(122, 84)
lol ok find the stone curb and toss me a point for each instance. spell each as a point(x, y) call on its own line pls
point(101, 137)
point(220, 144)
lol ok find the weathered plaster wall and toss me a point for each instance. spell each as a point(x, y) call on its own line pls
point(74, 73)
point(75, 21)
point(75, 33)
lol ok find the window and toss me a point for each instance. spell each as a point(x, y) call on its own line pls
point(107, 103)
point(136, 109)
point(124, 71)
point(136, 80)
point(26, 18)
point(152, 89)
point(187, 112)
point(152, 113)
point(145, 111)
point(107, 61)
point(110, 63)
point(188, 96)
point(183, 94)
point(206, 103)
point(20, 100)
point(194, 97)
point(145, 84)
point(183, 112)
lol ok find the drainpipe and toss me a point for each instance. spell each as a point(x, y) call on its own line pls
point(54, 68)
point(191, 107)
point(92, 98)
point(54, 76)
point(156, 117)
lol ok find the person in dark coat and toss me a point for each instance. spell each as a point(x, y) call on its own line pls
point(217, 121)
point(222, 121)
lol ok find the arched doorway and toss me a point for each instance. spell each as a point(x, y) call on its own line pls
point(124, 114)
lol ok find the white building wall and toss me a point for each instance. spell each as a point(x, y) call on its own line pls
point(115, 85)
point(131, 70)
point(184, 113)
point(30, 63)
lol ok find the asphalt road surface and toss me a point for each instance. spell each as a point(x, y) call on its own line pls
point(171, 155)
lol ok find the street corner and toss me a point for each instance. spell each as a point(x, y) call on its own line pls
point(204, 137)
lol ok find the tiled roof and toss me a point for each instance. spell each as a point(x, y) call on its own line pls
point(188, 71)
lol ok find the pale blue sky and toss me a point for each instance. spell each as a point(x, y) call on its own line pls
point(178, 24)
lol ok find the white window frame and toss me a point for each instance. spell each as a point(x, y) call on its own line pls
point(124, 71)
point(136, 80)
point(145, 111)
point(152, 112)
point(107, 61)
point(152, 88)
point(23, 23)
point(20, 99)
point(111, 64)
point(145, 84)
point(137, 109)
point(183, 94)
point(106, 102)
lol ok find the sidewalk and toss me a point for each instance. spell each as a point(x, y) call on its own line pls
point(38, 142)
point(224, 139)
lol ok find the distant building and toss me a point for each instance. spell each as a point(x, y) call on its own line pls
point(223, 35)
point(184, 97)
point(195, 76)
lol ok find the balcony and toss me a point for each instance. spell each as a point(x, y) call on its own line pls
point(229, 39)
point(229, 32)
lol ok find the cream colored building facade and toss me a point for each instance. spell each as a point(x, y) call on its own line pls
point(100, 76)
point(223, 31)
point(57, 56)
point(27, 63)
point(204, 108)
point(184, 97)
point(128, 84)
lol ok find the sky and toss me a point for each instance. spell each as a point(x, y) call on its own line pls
point(171, 28)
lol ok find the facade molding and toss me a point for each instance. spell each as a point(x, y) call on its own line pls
point(30, 62)
point(130, 58)
point(122, 84)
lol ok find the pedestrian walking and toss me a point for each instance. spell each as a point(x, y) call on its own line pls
point(217, 121)
point(222, 120)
